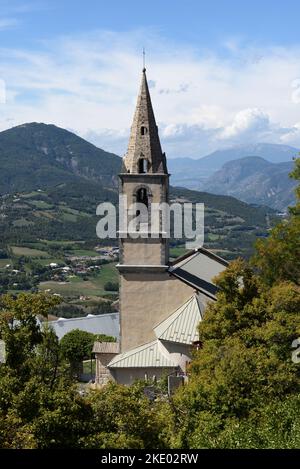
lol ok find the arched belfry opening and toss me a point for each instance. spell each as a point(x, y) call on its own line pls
point(143, 166)
point(142, 196)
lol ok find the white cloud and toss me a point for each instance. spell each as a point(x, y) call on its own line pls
point(2, 92)
point(8, 23)
point(292, 135)
point(247, 123)
point(201, 101)
point(296, 91)
point(112, 140)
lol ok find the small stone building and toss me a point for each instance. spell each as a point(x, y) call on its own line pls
point(104, 353)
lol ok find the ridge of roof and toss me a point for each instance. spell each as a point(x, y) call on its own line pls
point(176, 310)
point(202, 250)
point(181, 325)
point(141, 357)
point(81, 318)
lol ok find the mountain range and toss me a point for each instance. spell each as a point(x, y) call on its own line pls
point(51, 182)
point(37, 155)
point(257, 173)
point(255, 180)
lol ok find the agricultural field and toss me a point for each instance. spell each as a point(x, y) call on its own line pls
point(84, 252)
point(76, 286)
point(28, 252)
point(66, 218)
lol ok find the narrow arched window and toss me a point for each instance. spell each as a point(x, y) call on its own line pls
point(144, 130)
point(142, 197)
point(143, 165)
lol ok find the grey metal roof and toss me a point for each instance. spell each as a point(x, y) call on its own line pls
point(182, 325)
point(149, 355)
point(198, 268)
point(106, 347)
point(108, 324)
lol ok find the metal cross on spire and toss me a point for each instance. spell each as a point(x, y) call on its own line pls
point(144, 60)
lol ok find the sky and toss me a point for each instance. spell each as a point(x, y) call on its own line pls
point(222, 73)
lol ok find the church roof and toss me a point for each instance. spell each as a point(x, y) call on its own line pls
point(181, 326)
point(107, 324)
point(149, 355)
point(144, 139)
point(198, 268)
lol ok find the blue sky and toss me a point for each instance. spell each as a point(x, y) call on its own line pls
point(207, 22)
point(222, 72)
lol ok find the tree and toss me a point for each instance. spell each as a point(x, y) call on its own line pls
point(20, 330)
point(278, 257)
point(42, 408)
point(244, 389)
point(111, 286)
point(39, 406)
point(77, 346)
point(123, 417)
point(245, 362)
point(105, 338)
point(104, 307)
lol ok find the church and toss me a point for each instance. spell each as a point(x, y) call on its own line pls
point(161, 301)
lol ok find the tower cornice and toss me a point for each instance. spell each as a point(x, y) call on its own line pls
point(144, 177)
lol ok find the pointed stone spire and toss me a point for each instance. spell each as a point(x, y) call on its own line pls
point(144, 154)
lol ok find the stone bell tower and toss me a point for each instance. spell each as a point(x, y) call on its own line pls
point(148, 294)
point(143, 258)
point(145, 180)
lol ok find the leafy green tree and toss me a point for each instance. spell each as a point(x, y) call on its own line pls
point(111, 286)
point(77, 346)
point(104, 307)
point(244, 387)
point(39, 405)
point(42, 408)
point(105, 338)
point(123, 417)
point(278, 257)
point(245, 362)
point(20, 330)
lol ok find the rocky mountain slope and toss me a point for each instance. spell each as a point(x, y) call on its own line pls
point(51, 182)
point(255, 180)
point(36, 155)
point(193, 174)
